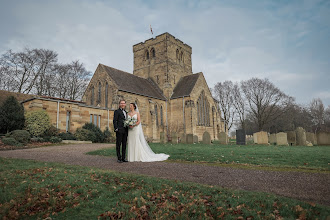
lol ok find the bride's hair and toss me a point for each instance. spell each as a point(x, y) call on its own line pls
point(133, 105)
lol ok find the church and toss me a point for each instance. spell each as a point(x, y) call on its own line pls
point(171, 99)
point(173, 102)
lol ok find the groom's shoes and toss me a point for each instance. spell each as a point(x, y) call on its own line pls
point(119, 161)
point(124, 160)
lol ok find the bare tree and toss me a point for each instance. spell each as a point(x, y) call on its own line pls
point(265, 100)
point(78, 78)
point(239, 103)
point(223, 92)
point(317, 112)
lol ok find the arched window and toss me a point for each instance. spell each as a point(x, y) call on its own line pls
point(147, 55)
point(153, 53)
point(156, 115)
point(106, 95)
point(92, 96)
point(161, 115)
point(181, 57)
point(203, 111)
point(99, 94)
point(177, 54)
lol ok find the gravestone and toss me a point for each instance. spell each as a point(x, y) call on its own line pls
point(206, 138)
point(162, 137)
point(301, 136)
point(190, 138)
point(282, 139)
point(311, 137)
point(291, 138)
point(223, 138)
point(323, 138)
point(195, 139)
point(261, 137)
point(272, 139)
point(182, 138)
point(174, 138)
point(255, 138)
point(240, 137)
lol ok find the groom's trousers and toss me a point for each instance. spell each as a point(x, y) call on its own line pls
point(121, 140)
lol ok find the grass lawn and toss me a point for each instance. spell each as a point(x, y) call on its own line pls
point(36, 190)
point(296, 157)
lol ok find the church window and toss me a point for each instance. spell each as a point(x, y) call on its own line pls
point(92, 98)
point(147, 55)
point(106, 95)
point(181, 57)
point(99, 122)
point(156, 115)
point(95, 120)
point(91, 118)
point(67, 121)
point(161, 115)
point(99, 94)
point(177, 54)
point(153, 52)
point(203, 111)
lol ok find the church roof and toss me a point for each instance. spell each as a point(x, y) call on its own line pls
point(128, 82)
point(185, 86)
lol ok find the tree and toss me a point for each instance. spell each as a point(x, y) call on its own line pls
point(265, 100)
point(317, 112)
point(223, 92)
point(11, 115)
point(240, 105)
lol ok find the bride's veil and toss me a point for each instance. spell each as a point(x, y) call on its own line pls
point(145, 144)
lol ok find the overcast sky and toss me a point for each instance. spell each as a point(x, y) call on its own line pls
point(287, 42)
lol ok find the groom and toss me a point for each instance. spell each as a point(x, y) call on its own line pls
point(121, 132)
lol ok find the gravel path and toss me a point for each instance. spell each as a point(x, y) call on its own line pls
point(310, 187)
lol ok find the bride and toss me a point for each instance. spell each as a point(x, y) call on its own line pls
point(138, 148)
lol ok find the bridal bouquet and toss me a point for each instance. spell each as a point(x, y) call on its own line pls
point(130, 122)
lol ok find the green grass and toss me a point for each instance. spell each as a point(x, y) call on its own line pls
point(36, 190)
point(293, 157)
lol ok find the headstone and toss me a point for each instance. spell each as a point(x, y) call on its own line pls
point(282, 139)
point(174, 138)
point(182, 138)
point(190, 138)
point(223, 138)
point(323, 138)
point(301, 136)
point(291, 138)
point(195, 139)
point(162, 137)
point(261, 137)
point(272, 139)
point(240, 137)
point(255, 138)
point(311, 137)
point(206, 138)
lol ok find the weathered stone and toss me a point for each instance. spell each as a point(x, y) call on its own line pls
point(301, 136)
point(240, 137)
point(195, 139)
point(282, 139)
point(261, 137)
point(272, 139)
point(323, 138)
point(311, 137)
point(223, 138)
point(291, 138)
point(174, 138)
point(182, 138)
point(309, 144)
point(190, 138)
point(206, 138)
point(162, 137)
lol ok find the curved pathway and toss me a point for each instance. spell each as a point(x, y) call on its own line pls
point(310, 187)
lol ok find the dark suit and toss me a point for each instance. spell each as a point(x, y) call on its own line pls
point(121, 133)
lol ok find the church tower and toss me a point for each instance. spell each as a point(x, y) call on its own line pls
point(163, 59)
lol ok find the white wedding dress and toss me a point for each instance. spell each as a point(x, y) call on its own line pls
point(138, 148)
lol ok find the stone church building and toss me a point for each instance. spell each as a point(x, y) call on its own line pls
point(171, 99)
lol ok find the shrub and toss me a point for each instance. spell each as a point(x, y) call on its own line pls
point(109, 137)
point(55, 139)
point(67, 136)
point(37, 139)
point(21, 136)
point(37, 122)
point(11, 141)
point(85, 135)
point(11, 115)
point(51, 131)
point(99, 138)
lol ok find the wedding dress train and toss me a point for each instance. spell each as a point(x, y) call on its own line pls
point(138, 148)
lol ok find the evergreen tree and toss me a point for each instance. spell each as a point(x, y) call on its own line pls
point(11, 115)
